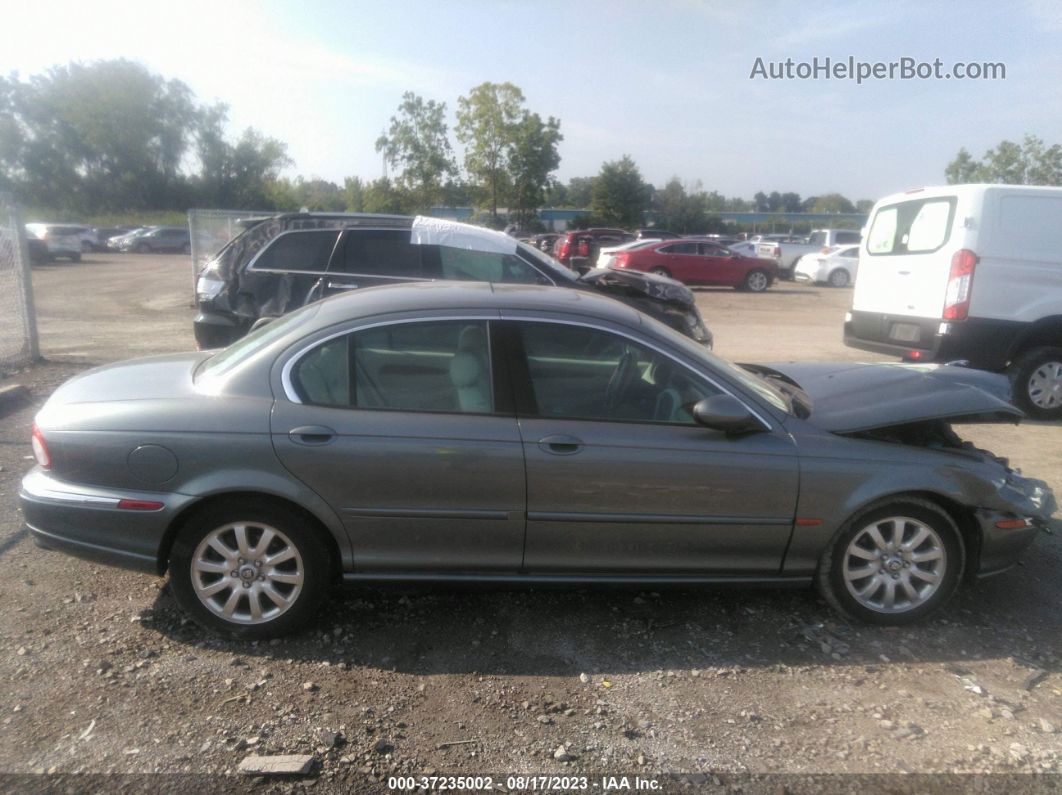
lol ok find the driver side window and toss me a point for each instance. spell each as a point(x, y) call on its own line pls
point(583, 373)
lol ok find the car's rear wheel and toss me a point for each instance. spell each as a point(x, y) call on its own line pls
point(253, 571)
point(838, 278)
point(755, 281)
point(659, 270)
point(1036, 379)
point(894, 563)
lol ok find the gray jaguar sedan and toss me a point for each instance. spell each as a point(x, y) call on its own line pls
point(456, 431)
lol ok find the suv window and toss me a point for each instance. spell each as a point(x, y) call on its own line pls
point(713, 250)
point(441, 366)
point(844, 238)
point(298, 251)
point(484, 266)
point(582, 373)
point(380, 252)
point(679, 248)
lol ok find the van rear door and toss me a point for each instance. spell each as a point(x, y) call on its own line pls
point(906, 260)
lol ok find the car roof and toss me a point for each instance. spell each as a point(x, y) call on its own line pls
point(450, 295)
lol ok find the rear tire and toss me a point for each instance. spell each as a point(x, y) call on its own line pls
point(659, 270)
point(838, 278)
point(755, 281)
point(1036, 382)
point(921, 567)
point(235, 588)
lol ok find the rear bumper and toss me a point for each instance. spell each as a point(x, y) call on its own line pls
point(985, 343)
point(86, 522)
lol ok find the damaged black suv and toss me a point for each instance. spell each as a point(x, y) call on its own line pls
point(281, 263)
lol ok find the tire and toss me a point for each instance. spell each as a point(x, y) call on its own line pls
point(86, 247)
point(659, 270)
point(1036, 382)
point(839, 558)
point(303, 578)
point(838, 278)
point(755, 281)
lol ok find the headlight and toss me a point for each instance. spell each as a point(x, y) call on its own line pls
point(207, 286)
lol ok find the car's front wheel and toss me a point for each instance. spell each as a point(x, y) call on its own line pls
point(250, 570)
point(755, 281)
point(838, 278)
point(893, 563)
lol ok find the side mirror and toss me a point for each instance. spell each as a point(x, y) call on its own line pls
point(725, 413)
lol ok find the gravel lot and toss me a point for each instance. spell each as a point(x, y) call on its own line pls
point(100, 673)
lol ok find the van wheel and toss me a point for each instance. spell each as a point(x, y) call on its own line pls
point(1036, 380)
point(838, 278)
point(893, 563)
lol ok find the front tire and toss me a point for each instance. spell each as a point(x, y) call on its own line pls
point(1036, 381)
point(250, 569)
point(893, 563)
point(755, 281)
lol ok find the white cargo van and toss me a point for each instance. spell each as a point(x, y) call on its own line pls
point(968, 272)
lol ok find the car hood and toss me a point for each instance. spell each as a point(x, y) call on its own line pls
point(848, 397)
point(612, 280)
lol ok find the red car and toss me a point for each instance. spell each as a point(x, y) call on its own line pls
point(700, 262)
point(578, 249)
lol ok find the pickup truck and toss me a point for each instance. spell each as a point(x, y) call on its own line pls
point(821, 240)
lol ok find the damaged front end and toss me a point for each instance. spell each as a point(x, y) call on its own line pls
point(669, 301)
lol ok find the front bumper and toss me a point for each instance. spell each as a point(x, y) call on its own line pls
point(85, 521)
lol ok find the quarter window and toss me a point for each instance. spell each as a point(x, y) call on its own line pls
point(582, 373)
point(298, 251)
point(434, 366)
point(485, 266)
point(679, 248)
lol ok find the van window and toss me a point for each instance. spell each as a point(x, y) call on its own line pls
point(919, 226)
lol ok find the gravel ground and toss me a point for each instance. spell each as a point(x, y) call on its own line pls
point(100, 673)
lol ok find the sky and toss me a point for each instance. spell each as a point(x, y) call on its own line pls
point(667, 83)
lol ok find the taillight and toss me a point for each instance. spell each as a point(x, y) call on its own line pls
point(584, 248)
point(777, 251)
point(565, 249)
point(960, 285)
point(621, 260)
point(40, 448)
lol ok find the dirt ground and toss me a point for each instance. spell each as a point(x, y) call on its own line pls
point(100, 673)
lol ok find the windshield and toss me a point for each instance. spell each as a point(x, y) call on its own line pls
point(547, 264)
point(227, 359)
point(759, 386)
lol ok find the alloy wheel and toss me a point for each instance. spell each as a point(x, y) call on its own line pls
point(895, 564)
point(247, 572)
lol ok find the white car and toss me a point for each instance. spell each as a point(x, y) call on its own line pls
point(759, 249)
point(837, 268)
point(61, 240)
point(606, 255)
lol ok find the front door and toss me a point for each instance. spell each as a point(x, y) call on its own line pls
point(400, 429)
point(621, 480)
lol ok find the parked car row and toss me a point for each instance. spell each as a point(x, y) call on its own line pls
point(153, 240)
point(51, 241)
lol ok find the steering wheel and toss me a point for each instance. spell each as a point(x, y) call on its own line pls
point(621, 379)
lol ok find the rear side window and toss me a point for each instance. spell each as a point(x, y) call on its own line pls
point(380, 252)
point(298, 251)
point(439, 366)
point(919, 226)
point(844, 238)
point(679, 248)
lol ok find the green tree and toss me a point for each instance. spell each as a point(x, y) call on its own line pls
point(417, 145)
point(383, 196)
point(832, 203)
point(354, 192)
point(620, 195)
point(532, 158)
point(1027, 163)
point(679, 210)
point(487, 121)
point(963, 169)
point(580, 191)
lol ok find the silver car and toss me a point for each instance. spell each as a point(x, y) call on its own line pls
point(455, 431)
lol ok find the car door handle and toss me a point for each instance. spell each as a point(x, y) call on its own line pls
point(560, 445)
point(341, 286)
point(311, 434)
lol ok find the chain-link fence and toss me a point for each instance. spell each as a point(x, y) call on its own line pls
point(18, 322)
point(210, 230)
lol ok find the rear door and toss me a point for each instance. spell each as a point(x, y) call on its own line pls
point(904, 264)
point(681, 261)
point(370, 257)
point(404, 431)
point(287, 272)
